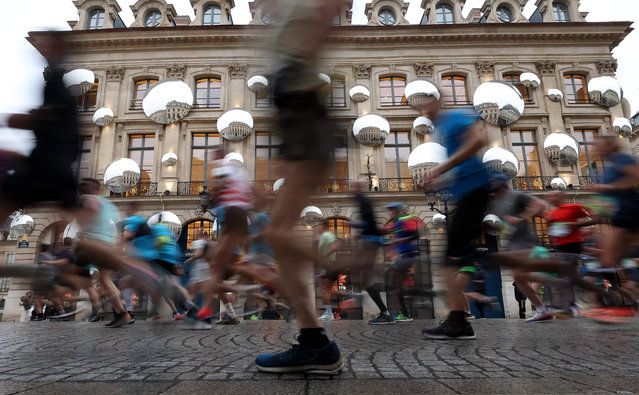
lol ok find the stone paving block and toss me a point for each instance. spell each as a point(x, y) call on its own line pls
point(66, 388)
point(356, 387)
point(513, 385)
point(238, 387)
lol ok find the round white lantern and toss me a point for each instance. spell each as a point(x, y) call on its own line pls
point(558, 183)
point(278, 184)
point(492, 219)
point(424, 157)
point(257, 83)
point(169, 159)
point(359, 93)
point(605, 91)
point(121, 175)
point(21, 225)
point(555, 94)
point(498, 103)
point(529, 80)
point(78, 82)
point(103, 116)
point(622, 126)
point(371, 129)
point(498, 160)
point(233, 157)
point(418, 92)
point(311, 215)
point(168, 101)
point(169, 219)
point(439, 220)
point(423, 125)
point(325, 78)
point(235, 124)
point(561, 149)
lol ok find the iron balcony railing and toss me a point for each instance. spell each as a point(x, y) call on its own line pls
point(141, 189)
point(534, 183)
point(191, 188)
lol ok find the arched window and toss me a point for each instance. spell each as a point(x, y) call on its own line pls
point(96, 19)
point(445, 15)
point(212, 15)
point(195, 229)
point(340, 227)
point(139, 91)
point(513, 78)
point(337, 93)
point(505, 14)
point(152, 18)
point(561, 12)
point(208, 92)
point(576, 89)
point(87, 101)
point(454, 92)
point(391, 91)
point(387, 17)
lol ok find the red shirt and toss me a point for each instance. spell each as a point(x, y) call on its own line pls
point(572, 212)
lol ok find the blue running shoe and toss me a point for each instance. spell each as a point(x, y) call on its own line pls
point(301, 358)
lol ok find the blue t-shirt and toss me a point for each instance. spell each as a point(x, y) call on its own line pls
point(406, 226)
point(260, 244)
point(142, 242)
point(614, 165)
point(165, 245)
point(471, 174)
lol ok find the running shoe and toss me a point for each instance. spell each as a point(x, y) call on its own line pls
point(179, 317)
point(613, 315)
point(402, 318)
point(336, 316)
point(446, 331)
point(301, 358)
point(227, 320)
point(469, 316)
point(541, 316)
point(96, 314)
point(326, 317)
point(119, 320)
point(382, 319)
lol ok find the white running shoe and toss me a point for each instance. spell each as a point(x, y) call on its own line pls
point(326, 317)
point(541, 316)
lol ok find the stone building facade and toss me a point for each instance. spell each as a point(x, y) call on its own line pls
point(216, 59)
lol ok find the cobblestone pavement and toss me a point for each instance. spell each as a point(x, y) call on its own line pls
point(509, 356)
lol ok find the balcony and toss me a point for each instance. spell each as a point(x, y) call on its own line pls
point(141, 189)
point(535, 183)
point(191, 188)
point(397, 185)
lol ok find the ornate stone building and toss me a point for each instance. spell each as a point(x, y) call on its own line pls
point(226, 68)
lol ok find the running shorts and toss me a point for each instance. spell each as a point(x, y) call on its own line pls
point(235, 221)
point(404, 263)
point(466, 225)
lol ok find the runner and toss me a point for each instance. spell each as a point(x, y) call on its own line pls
point(327, 247)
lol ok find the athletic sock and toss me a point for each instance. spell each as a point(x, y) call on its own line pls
point(313, 337)
point(230, 310)
point(328, 308)
point(374, 294)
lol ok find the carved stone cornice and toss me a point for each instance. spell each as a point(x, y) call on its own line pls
point(362, 70)
point(237, 70)
point(546, 66)
point(424, 69)
point(176, 71)
point(485, 67)
point(114, 73)
point(607, 66)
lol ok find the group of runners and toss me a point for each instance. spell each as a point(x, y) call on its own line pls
point(149, 262)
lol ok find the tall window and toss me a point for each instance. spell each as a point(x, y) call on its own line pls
point(340, 227)
point(561, 12)
point(262, 98)
point(339, 157)
point(212, 15)
point(445, 14)
point(513, 79)
point(201, 146)
point(267, 162)
point(5, 283)
point(454, 90)
point(193, 228)
point(141, 150)
point(139, 91)
point(391, 91)
point(590, 164)
point(396, 152)
point(527, 152)
point(539, 228)
point(96, 19)
point(576, 89)
point(152, 18)
point(337, 94)
point(81, 166)
point(208, 92)
point(87, 101)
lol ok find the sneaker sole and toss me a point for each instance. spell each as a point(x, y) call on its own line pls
point(404, 320)
point(323, 370)
point(544, 320)
point(445, 337)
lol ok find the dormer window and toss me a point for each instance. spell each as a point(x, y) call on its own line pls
point(266, 19)
point(212, 16)
point(504, 14)
point(96, 19)
point(445, 14)
point(561, 12)
point(387, 17)
point(152, 18)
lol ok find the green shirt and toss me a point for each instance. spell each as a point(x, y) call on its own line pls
point(325, 241)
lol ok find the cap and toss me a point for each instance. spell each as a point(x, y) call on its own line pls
point(396, 205)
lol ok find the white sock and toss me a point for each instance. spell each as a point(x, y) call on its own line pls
point(328, 308)
point(543, 309)
point(229, 310)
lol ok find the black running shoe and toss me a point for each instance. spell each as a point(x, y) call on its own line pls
point(446, 331)
point(382, 319)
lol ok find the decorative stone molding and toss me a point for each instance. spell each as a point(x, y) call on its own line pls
point(120, 131)
point(485, 67)
point(337, 209)
point(176, 71)
point(546, 66)
point(424, 69)
point(237, 70)
point(362, 70)
point(114, 73)
point(567, 124)
point(607, 66)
